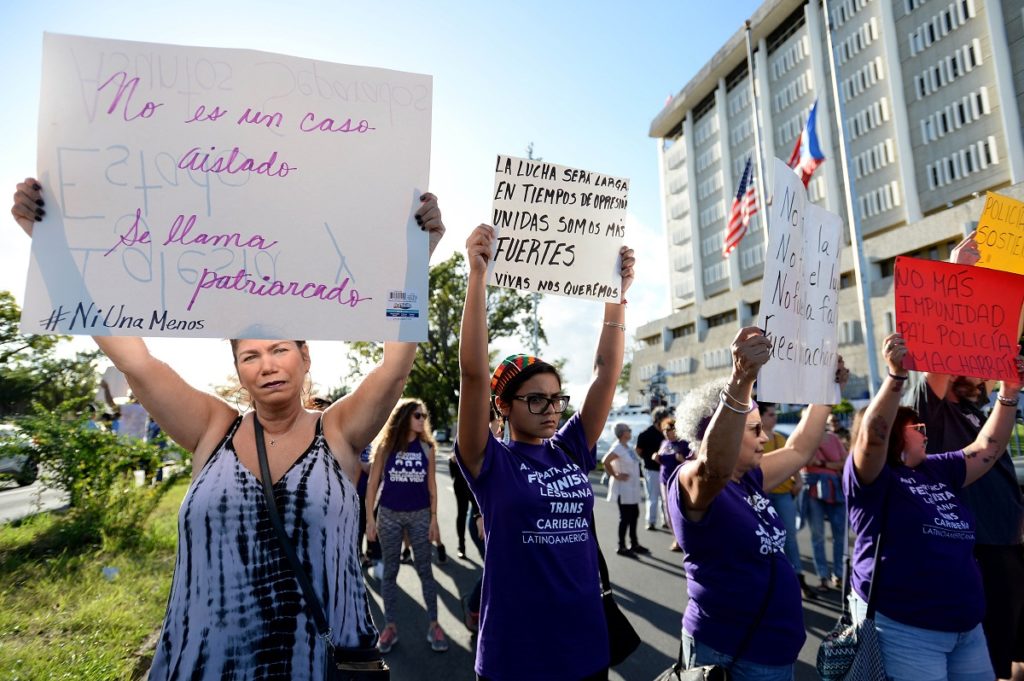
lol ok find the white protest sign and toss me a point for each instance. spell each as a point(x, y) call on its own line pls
point(559, 229)
point(800, 297)
point(224, 193)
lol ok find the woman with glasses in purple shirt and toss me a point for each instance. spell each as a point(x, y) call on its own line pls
point(744, 610)
point(928, 599)
point(402, 472)
point(541, 613)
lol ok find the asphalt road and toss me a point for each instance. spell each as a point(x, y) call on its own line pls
point(650, 590)
point(18, 502)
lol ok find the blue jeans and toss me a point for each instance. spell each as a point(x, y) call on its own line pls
point(653, 480)
point(785, 506)
point(916, 654)
point(817, 512)
point(696, 654)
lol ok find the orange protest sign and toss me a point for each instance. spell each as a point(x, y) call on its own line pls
point(958, 320)
point(1001, 234)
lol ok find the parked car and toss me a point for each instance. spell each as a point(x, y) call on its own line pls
point(16, 456)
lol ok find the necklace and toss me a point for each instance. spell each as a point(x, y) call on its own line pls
point(275, 438)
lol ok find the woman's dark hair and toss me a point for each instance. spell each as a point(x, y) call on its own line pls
point(540, 367)
point(897, 442)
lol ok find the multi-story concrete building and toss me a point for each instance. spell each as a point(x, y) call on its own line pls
point(933, 92)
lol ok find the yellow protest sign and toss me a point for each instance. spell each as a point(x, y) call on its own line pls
point(1001, 234)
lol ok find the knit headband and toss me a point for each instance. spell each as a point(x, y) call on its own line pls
point(509, 368)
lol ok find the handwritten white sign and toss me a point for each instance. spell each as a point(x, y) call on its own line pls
point(800, 296)
point(559, 229)
point(227, 193)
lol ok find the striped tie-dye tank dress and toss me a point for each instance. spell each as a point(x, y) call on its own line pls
point(235, 610)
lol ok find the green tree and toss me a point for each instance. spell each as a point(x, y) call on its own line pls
point(435, 372)
point(31, 371)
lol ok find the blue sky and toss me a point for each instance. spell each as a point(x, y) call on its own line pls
point(580, 80)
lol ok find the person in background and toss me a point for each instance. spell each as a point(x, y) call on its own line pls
point(402, 472)
point(951, 408)
point(372, 553)
point(784, 496)
point(926, 586)
point(823, 496)
point(134, 420)
point(465, 504)
point(623, 467)
point(647, 445)
point(671, 453)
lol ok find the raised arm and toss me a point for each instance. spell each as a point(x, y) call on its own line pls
point(358, 417)
point(608, 358)
point(192, 418)
point(701, 480)
point(869, 451)
point(982, 454)
point(474, 386)
point(780, 465)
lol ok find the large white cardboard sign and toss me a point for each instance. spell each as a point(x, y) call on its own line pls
point(800, 296)
point(559, 229)
point(227, 193)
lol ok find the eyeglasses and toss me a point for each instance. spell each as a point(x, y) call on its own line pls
point(538, 404)
point(757, 428)
point(419, 415)
point(919, 427)
point(670, 426)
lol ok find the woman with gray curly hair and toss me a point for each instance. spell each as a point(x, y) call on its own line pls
point(744, 610)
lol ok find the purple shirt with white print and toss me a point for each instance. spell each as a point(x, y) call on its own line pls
point(726, 557)
point(404, 479)
point(929, 577)
point(541, 614)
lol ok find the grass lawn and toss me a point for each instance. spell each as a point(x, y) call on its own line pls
point(60, 618)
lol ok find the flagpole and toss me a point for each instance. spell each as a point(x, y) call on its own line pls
point(763, 205)
point(852, 216)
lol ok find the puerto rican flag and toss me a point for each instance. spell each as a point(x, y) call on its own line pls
point(807, 154)
point(744, 205)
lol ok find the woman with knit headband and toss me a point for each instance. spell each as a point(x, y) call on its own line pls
point(541, 561)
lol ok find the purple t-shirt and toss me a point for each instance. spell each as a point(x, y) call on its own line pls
point(667, 457)
point(726, 557)
point(929, 576)
point(404, 481)
point(541, 615)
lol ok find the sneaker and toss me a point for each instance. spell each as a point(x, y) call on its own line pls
point(469, 618)
point(461, 553)
point(651, 527)
point(674, 547)
point(836, 582)
point(442, 554)
point(436, 638)
point(665, 526)
point(636, 548)
point(623, 551)
point(407, 557)
point(387, 639)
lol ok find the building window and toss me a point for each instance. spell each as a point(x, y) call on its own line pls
point(684, 330)
point(721, 319)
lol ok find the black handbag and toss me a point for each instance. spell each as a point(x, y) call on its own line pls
point(715, 672)
point(343, 664)
point(622, 637)
point(853, 652)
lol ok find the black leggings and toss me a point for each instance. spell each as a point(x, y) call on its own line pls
point(462, 501)
point(628, 515)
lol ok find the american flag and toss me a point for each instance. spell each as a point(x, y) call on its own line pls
point(744, 205)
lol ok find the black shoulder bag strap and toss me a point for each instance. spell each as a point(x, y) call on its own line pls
point(313, 605)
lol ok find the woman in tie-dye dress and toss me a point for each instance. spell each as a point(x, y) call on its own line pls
point(236, 610)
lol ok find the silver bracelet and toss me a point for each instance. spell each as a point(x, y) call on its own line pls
point(1007, 401)
point(617, 325)
point(725, 403)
